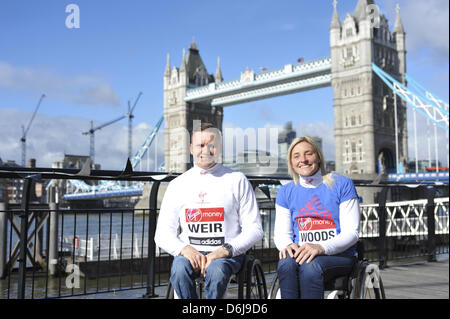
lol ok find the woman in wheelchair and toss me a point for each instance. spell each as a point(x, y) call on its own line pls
point(316, 225)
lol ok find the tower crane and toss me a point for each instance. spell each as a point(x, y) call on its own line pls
point(130, 122)
point(91, 134)
point(93, 129)
point(23, 139)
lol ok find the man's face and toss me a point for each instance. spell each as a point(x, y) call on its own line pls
point(205, 148)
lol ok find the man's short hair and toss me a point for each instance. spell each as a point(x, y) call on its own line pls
point(203, 127)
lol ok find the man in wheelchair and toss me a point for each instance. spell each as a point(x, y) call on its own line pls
point(316, 225)
point(219, 218)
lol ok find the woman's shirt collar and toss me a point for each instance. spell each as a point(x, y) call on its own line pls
point(311, 181)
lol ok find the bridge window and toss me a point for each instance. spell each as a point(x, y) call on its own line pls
point(349, 52)
point(349, 32)
point(353, 147)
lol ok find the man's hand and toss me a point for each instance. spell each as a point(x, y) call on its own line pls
point(218, 253)
point(197, 259)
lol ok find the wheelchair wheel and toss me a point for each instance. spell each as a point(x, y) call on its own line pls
point(255, 281)
point(170, 292)
point(371, 285)
point(274, 292)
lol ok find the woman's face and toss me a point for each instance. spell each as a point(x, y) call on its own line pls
point(304, 160)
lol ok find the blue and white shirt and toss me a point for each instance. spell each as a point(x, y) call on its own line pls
point(313, 212)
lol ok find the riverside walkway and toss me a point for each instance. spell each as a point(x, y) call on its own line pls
point(420, 280)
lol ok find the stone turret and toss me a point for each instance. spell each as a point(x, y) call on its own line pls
point(363, 106)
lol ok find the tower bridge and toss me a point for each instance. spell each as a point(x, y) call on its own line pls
point(363, 107)
point(251, 87)
point(367, 72)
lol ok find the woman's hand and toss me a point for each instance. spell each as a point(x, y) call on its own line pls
point(307, 252)
point(290, 250)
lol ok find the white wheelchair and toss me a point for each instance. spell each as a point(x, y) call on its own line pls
point(363, 282)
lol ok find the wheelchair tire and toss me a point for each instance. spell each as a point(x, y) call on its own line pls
point(371, 286)
point(274, 292)
point(170, 291)
point(255, 281)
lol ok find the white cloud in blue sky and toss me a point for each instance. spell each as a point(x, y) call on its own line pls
point(76, 89)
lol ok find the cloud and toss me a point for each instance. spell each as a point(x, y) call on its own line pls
point(427, 26)
point(77, 89)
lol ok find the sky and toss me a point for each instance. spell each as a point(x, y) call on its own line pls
point(120, 48)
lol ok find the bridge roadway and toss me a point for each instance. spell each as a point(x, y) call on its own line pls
point(419, 280)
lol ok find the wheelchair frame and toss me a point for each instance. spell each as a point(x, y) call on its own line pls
point(363, 282)
point(249, 278)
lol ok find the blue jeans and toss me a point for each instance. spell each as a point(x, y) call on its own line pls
point(217, 276)
point(307, 281)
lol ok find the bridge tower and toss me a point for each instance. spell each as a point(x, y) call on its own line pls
point(179, 114)
point(364, 116)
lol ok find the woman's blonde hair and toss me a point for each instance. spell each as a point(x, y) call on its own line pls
point(327, 178)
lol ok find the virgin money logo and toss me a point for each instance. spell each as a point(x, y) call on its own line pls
point(304, 224)
point(193, 215)
point(205, 214)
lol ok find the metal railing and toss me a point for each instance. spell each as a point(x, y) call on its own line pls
point(55, 252)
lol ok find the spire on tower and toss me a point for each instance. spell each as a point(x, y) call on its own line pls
point(193, 44)
point(335, 20)
point(167, 71)
point(398, 27)
point(218, 77)
point(183, 61)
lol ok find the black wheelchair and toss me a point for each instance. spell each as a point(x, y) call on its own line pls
point(250, 280)
point(363, 282)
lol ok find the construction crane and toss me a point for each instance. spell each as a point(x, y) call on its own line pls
point(23, 139)
point(91, 132)
point(93, 129)
point(130, 124)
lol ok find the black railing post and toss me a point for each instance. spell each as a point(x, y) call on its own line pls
point(382, 253)
point(3, 238)
point(23, 237)
point(430, 192)
point(151, 255)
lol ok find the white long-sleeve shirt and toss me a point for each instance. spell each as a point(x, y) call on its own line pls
point(212, 207)
point(327, 223)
